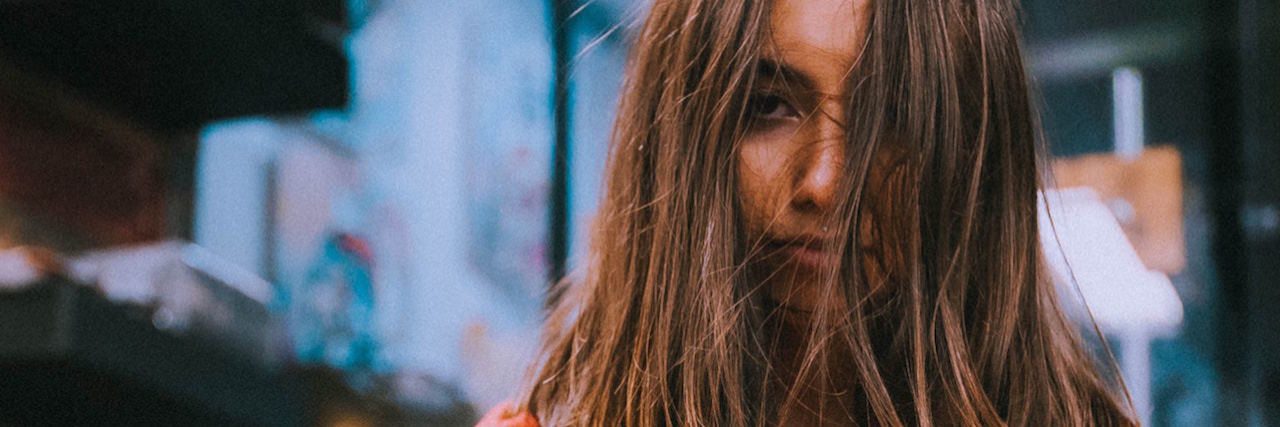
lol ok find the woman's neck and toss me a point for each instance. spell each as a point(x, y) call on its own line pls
point(818, 386)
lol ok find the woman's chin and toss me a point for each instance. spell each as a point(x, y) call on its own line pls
point(802, 296)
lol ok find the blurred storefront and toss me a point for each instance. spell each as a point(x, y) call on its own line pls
point(444, 164)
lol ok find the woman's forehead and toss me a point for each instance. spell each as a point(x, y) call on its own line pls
point(818, 38)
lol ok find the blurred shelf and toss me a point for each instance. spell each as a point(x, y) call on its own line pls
point(70, 357)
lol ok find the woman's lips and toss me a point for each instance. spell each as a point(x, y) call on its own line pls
point(810, 257)
point(808, 253)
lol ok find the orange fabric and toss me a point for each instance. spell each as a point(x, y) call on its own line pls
point(503, 416)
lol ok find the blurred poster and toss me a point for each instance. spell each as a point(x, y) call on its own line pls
point(1145, 195)
point(509, 138)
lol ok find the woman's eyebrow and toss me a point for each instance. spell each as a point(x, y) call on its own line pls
point(771, 69)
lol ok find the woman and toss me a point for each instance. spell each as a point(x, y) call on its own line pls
point(818, 212)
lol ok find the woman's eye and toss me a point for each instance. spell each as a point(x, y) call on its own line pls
point(770, 108)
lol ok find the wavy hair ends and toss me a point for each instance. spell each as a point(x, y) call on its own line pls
point(664, 324)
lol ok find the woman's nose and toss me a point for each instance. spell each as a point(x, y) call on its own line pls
point(821, 164)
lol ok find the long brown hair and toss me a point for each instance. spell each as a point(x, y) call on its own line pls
point(666, 325)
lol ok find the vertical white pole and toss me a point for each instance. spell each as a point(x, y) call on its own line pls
point(1126, 92)
point(1135, 361)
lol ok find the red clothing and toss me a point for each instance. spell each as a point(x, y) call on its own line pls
point(503, 416)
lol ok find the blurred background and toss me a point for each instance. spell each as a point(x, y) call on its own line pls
point(346, 212)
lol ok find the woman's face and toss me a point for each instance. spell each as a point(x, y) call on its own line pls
point(793, 157)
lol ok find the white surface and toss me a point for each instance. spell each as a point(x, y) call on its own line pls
point(1086, 247)
point(1090, 257)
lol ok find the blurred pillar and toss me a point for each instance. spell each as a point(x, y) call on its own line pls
point(1245, 195)
point(558, 247)
point(1259, 212)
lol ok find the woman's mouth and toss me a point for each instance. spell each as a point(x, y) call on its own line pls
point(805, 252)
